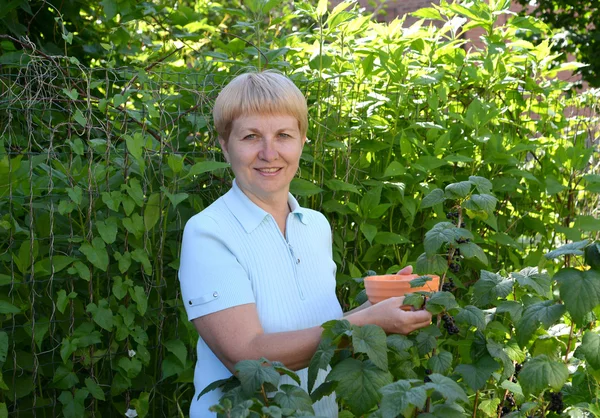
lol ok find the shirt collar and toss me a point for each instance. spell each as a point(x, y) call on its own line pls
point(249, 214)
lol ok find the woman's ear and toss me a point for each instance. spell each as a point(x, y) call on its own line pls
point(223, 144)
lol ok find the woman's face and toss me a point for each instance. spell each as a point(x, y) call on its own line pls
point(264, 151)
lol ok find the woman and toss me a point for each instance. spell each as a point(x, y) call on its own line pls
point(257, 274)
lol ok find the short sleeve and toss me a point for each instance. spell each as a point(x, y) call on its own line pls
point(211, 277)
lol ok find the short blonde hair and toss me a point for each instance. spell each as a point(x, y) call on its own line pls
point(267, 92)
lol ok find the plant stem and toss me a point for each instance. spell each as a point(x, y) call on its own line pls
point(569, 343)
point(475, 406)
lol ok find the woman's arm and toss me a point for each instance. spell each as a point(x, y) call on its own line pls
point(235, 334)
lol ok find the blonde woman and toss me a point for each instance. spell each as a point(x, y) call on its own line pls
point(257, 274)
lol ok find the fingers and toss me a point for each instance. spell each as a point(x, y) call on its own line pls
point(406, 270)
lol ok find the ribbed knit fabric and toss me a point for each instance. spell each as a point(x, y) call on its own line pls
point(234, 253)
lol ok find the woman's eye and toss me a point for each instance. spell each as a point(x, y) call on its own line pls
point(250, 136)
point(284, 135)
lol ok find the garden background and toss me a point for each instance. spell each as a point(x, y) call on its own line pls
point(107, 148)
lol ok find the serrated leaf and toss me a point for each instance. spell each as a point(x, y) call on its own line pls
point(477, 374)
point(440, 362)
point(489, 288)
point(440, 302)
point(573, 248)
point(580, 290)
point(399, 397)
point(446, 387)
point(485, 202)
point(471, 315)
point(281, 369)
point(514, 309)
point(458, 190)
point(497, 351)
point(489, 407)
point(359, 383)
point(401, 343)
point(295, 398)
point(254, 373)
point(441, 233)
point(542, 372)
point(539, 282)
point(590, 347)
point(371, 340)
point(433, 198)
point(435, 264)
point(471, 250)
point(547, 313)
point(320, 361)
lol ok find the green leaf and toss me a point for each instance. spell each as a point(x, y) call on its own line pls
point(320, 361)
point(8, 308)
point(295, 398)
point(440, 302)
point(592, 256)
point(390, 238)
point(471, 250)
point(112, 200)
point(110, 8)
point(67, 348)
point(542, 371)
point(489, 288)
point(321, 8)
point(547, 313)
point(440, 362)
point(574, 248)
point(94, 389)
point(498, 352)
point(178, 348)
point(108, 229)
point(135, 225)
point(301, 187)
point(477, 374)
point(138, 295)
point(458, 190)
point(590, 347)
point(433, 198)
point(101, 315)
point(484, 202)
point(141, 256)
point(580, 290)
point(96, 253)
point(205, 167)
point(371, 340)
point(359, 383)
point(435, 264)
point(471, 315)
point(514, 309)
point(427, 339)
point(441, 233)
point(483, 185)
point(446, 387)
point(152, 211)
point(369, 231)
point(254, 373)
point(3, 346)
point(80, 119)
point(399, 396)
point(175, 199)
point(394, 169)
point(142, 404)
point(490, 407)
point(538, 282)
point(339, 185)
point(76, 194)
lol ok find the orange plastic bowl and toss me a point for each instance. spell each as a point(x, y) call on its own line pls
point(379, 288)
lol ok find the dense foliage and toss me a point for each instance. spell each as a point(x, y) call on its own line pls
point(577, 25)
point(470, 164)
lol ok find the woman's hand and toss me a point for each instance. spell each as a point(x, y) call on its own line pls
point(389, 316)
point(406, 270)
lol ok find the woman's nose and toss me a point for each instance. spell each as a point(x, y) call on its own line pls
point(268, 151)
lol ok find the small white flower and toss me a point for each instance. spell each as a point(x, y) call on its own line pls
point(131, 413)
point(131, 354)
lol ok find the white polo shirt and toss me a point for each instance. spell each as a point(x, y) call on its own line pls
point(234, 253)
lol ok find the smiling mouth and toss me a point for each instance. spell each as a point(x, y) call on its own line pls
point(268, 170)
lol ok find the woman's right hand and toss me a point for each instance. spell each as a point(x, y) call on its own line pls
point(388, 315)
